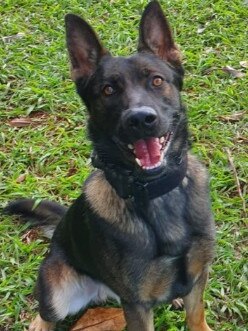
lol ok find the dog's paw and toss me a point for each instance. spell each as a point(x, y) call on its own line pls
point(178, 303)
point(38, 324)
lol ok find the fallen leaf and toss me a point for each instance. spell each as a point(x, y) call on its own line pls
point(24, 316)
point(21, 178)
point(233, 72)
point(244, 64)
point(30, 236)
point(209, 50)
point(8, 39)
point(201, 29)
point(101, 319)
point(20, 122)
point(210, 70)
point(235, 117)
point(241, 139)
point(72, 171)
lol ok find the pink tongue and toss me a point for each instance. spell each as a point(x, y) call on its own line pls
point(148, 151)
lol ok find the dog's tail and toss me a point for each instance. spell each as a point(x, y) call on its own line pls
point(44, 214)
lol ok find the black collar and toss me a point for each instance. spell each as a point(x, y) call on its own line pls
point(128, 185)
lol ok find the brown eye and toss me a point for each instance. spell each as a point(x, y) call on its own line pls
point(157, 81)
point(108, 90)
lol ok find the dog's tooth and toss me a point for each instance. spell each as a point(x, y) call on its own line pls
point(152, 167)
point(161, 140)
point(166, 148)
point(162, 156)
point(138, 162)
point(158, 164)
point(130, 146)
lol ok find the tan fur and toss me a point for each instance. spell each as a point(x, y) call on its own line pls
point(155, 286)
point(174, 56)
point(38, 324)
point(104, 199)
point(105, 202)
point(60, 274)
point(197, 171)
point(194, 306)
point(76, 73)
point(138, 318)
point(71, 291)
point(199, 256)
point(82, 70)
point(170, 91)
point(196, 321)
point(155, 290)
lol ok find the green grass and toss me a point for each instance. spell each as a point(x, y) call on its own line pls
point(53, 152)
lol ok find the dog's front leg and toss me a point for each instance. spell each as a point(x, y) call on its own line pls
point(138, 317)
point(194, 306)
point(38, 324)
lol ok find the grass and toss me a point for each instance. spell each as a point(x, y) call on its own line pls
point(49, 158)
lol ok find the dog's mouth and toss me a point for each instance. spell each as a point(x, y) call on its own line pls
point(149, 153)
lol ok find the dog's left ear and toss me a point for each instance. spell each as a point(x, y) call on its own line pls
point(84, 48)
point(155, 35)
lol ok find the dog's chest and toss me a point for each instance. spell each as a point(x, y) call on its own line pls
point(166, 219)
point(148, 264)
point(160, 227)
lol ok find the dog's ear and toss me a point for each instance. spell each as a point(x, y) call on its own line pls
point(84, 48)
point(155, 35)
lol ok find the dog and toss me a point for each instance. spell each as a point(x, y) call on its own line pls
point(142, 230)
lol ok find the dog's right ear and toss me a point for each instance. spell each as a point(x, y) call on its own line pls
point(84, 48)
point(156, 36)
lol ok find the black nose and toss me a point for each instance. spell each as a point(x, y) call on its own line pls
point(144, 118)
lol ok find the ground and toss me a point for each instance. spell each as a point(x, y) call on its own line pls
point(45, 153)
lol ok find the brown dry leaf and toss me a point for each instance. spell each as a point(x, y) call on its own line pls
point(20, 122)
point(24, 316)
point(241, 139)
point(21, 178)
point(233, 72)
point(235, 117)
point(72, 171)
point(30, 235)
point(101, 319)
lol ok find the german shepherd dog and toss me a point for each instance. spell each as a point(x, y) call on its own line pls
point(142, 230)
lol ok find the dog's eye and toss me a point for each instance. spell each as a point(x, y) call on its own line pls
point(108, 90)
point(157, 81)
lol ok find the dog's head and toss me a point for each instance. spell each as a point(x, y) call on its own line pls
point(136, 119)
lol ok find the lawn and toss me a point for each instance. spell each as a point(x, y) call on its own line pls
point(45, 153)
